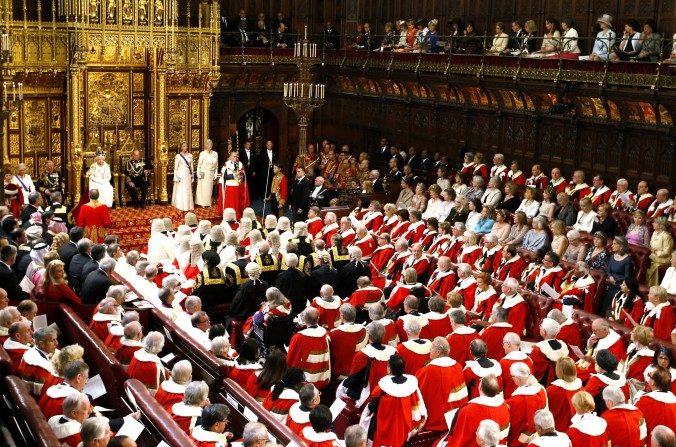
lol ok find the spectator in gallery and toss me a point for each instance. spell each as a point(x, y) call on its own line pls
point(500, 40)
point(604, 39)
point(652, 45)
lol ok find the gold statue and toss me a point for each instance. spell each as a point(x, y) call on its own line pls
point(94, 10)
point(142, 10)
point(127, 12)
point(159, 10)
point(111, 9)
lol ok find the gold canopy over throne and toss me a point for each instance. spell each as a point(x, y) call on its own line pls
point(112, 74)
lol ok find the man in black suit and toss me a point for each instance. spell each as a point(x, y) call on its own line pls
point(292, 283)
point(96, 285)
point(319, 195)
point(330, 37)
point(377, 181)
point(34, 204)
point(57, 207)
point(97, 253)
point(383, 151)
point(426, 161)
point(325, 274)
point(248, 160)
point(264, 167)
point(8, 279)
point(352, 271)
point(75, 279)
point(299, 198)
point(516, 42)
point(9, 224)
point(413, 157)
point(67, 251)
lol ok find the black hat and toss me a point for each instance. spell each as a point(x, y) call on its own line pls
point(606, 360)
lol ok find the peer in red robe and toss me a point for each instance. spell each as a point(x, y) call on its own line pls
point(637, 361)
point(466, 421)
point(206, 438)
point(517, 311)
point(366, 243)
point(16, 350)
point(147, 369)
point(612, 342)
point(459, 340)
point(658, 408)
point(298, 418)
point(438, 321)
point(114, 339)
point(315, 226)
point(512, 268)
point(322, 439)
point(51, 401)
point(569, 333)
point(94, 217)
point(523, 403)
point(128, 348)
point(169, 393)
point(477, 369)
point(511, 357)
point(415, 352)
point(100, 323)
point(411, 314)
point(377, 355)
point(309, 351)
point(185, 415)
point(588, 430)
point(627, 426)
point(35, 369)
point(661, 319)
point(67, 430)
point(400, 409)
point(544, 356)
point(329, 311)
point(559, 394)
point(365, 296)
point(233, 191)
point(443, 388)
point(442, 282)
point(279, 407)
point(380, 257)
point(492, 335)
point(467, 289)
point(241, 373)
point(347, 339)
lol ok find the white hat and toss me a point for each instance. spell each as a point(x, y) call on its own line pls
point(607, 19)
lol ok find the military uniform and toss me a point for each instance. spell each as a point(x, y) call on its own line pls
point(48, 183)
point(134, 172)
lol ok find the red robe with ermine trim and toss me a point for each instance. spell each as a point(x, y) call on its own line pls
point(492, 335)
point(147, 369)
point(345, 341)
point(560, 394)
point(400, 409)
point(467, 419)
point(628, 427)
point(361, 298)
point(474, 372)
point(523, 404)
point(588, 430)
point(659, 408)
point(443, 388)
point(51, 401)
point(415, 354)
point(508, 385)
point(379, 359)
point(309, 351)
point(459, 341)
point(169, 393)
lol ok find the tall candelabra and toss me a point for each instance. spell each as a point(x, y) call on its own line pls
point(11, 95)
point(304, 96)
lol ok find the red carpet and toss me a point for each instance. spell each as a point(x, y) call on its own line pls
point(133, 225)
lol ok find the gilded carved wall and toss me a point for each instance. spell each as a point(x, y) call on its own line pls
point(119, 74)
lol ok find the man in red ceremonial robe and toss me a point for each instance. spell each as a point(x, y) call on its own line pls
point(466, 286)
point(416, 228)
point(479, 367)
point(75, 378)
point(299, 413)
point(381, 256)
point(599, 193)
point(145, 366)
point(130, 343)
point(659, 405)
point(186, 412)
point(365, 295)
point(438, 321)
point(512, 264)
point(443, 279)
point(328, 306)
point(397, 406)
point(347, 339)
point(411, 305)
point(538, 180)
point(578, 189)
point(315, 224)
point(489, 405)
point(410, 286)
point(172, 391)
point(454, 248)
point(67, 424)
point(628, 427)
point(376, 354)
point(418, 261)
point(511, 344)
point(106, 315)
point(493, 334)
point(442, 385)
point(603, 337)
point(319, 433)
point(36, 364)
point(461, 337)
point(415, 351)
point(326, 229)
point(19, 341)
point(309, 350)
point(547, 352)
point(211, 431)
point(365, 242)
point(374, 218)
point(528, 397)
point(491, 255)
point(550, 273)
point(345, 231)
point(233, 192)
point(517, 310)
point(14, 197)
point(94, 218)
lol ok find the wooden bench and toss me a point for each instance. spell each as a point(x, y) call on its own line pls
point(27, 424)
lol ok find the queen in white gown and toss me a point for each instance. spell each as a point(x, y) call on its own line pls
point(207, 166)
point(183, 177)
point(99, 178)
